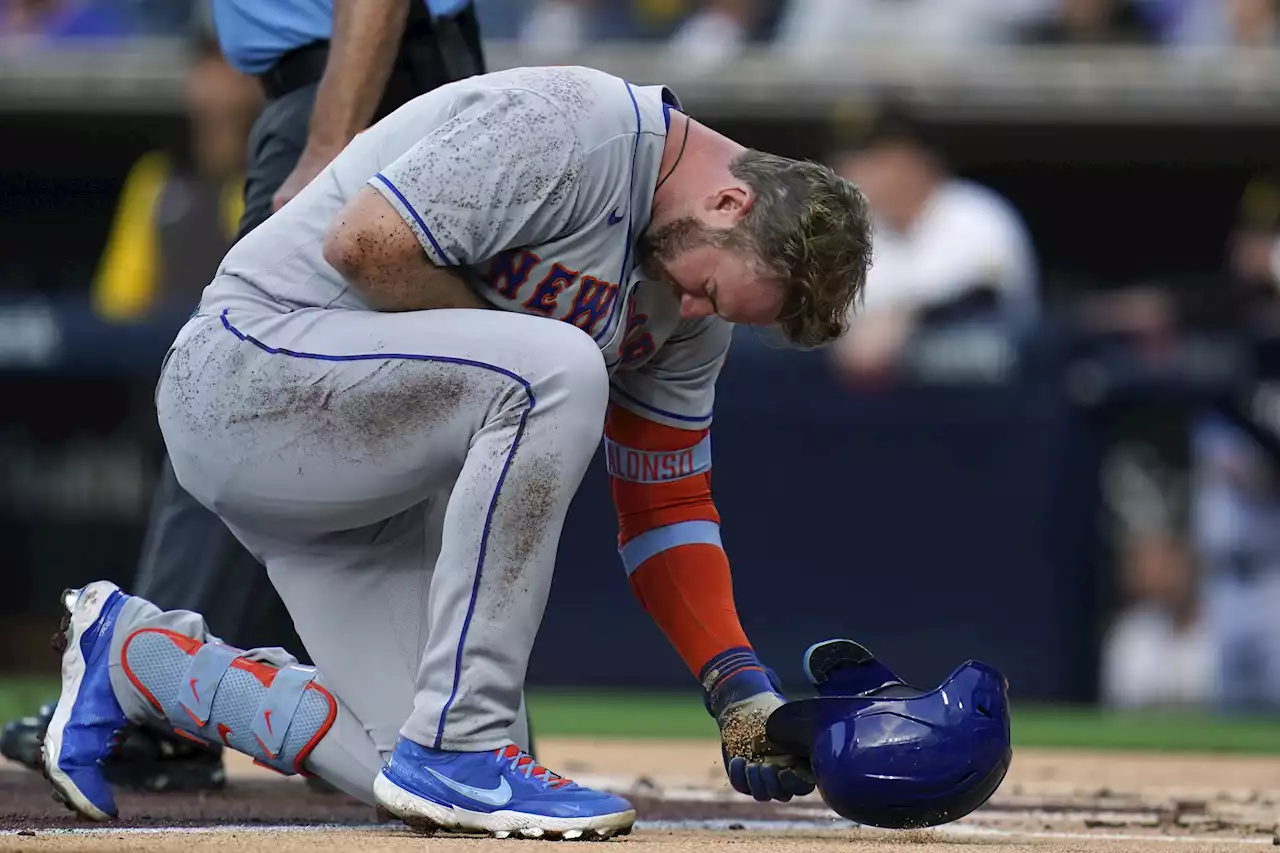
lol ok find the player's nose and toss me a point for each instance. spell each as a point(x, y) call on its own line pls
point(694, 307)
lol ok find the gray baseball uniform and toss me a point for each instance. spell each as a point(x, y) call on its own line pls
point(405, 476)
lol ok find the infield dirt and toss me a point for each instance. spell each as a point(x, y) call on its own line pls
point(1052, 801)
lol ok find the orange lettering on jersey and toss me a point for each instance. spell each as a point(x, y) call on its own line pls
point(637, 343)
point(543, 300)
point(509, 271)
point(592, 303)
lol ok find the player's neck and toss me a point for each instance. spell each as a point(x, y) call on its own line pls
point(692, 165)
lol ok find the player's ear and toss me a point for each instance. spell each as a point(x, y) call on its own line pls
point(728, 205)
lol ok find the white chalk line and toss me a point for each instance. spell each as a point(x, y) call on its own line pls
point(720, 825)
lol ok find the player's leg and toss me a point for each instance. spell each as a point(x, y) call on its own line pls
point(301, 424)
point(380, 579)
point(162, 676)
point(126, 662)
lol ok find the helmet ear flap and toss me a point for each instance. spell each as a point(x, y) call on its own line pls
point(845, 668)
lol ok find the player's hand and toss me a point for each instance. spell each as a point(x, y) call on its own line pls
point(755, 766)
point(310, 164)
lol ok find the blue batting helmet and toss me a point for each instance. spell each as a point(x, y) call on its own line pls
point(890, 755)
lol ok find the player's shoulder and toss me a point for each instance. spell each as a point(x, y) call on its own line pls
point(596, 106)
point(575, 92)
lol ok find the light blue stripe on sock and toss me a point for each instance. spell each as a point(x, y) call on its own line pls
point(662, 539)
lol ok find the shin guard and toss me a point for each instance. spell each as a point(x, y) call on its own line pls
point(212, 693)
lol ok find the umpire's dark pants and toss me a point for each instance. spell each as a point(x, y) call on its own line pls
point(190, 561)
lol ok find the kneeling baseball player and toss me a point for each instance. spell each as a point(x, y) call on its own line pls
point(403, 472)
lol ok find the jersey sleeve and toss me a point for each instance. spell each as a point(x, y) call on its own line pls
point(676, 387)
point(502, 173)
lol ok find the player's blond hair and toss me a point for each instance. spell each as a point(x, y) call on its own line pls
point(811, 231)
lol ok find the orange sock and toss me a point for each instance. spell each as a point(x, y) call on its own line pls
point(689, 592)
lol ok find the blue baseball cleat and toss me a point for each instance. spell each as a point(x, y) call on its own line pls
point(502, 793)
point(87, 721)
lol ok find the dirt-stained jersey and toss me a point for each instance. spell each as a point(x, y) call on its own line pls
point(535, 183)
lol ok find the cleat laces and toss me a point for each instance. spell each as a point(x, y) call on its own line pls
point(520, 762)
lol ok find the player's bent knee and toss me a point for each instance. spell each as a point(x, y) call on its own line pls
point(571, 369)
point(212, 693)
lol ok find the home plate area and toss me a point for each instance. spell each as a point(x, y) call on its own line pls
point(1052, 800)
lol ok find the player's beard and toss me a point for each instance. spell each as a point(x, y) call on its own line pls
point(661, 244)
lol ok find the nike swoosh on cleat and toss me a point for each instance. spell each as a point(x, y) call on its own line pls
point(496, 797)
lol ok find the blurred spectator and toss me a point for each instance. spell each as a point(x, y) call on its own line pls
point(1251, 292)
point(1236, 510)
point(48, 20)
point(1235, 465)
point(556, 27)
point(1157, 652)
point(1253, 23)
point(168, 17)
point(816, 28)
point(714, 34)
point(177, 216)
point(1185, 22)
point(1212, 23)
point(701, 34)
point(1236, 501)
point(945, 248)
point(1093, 22)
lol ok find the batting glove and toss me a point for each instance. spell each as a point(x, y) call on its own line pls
point(741, 698)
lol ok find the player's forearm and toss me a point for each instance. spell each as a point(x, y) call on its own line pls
point(362, 49)
point(380, 257)
point(412, 287)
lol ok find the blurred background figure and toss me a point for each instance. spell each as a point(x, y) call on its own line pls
point(1236, 467)
point(946, 248)
point(1237, 532)
point(699, 34)
point(51, 20)
point(1093, 22)
point(1157, 652)
point(1205, 592)
point(1212, 24)
point(179, 213)
point(1253, 23)
point(820, 28)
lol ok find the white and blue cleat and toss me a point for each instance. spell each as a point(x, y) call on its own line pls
point(503, 793)
point(87, 721)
